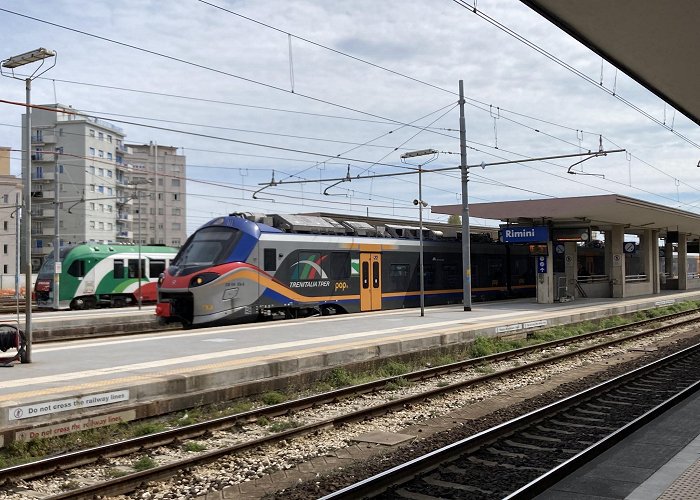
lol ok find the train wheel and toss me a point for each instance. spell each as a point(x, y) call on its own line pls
point(78, 304)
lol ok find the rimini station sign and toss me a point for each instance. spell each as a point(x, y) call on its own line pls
point(522, 234)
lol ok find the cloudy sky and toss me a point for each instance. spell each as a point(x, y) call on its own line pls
point(366, 81)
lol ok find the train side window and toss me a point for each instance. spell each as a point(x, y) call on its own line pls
point(340, 265)
point(270, 259)
point(134, 268)
point(375, 274)
point(365, 274)
point(77, 268)
point(118, 269)
point(400, 275)
point(155, 267)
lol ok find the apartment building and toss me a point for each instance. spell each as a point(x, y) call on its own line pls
point(87, 184)
point(10, 197)
point(157, 175)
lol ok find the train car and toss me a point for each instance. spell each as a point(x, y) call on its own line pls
point(234, 269)
point(102, 275)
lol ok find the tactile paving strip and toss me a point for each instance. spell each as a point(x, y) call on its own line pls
point(687, 485)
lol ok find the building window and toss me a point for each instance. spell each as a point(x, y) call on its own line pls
point(109, 138)
point(119, 142)
point(39, 244)
point(92, 133)
point(176, 242)
point(92, 151)
point(176, 226)
point(101, 189)
point(60, 169)
point(91, 169)
point(160, 196)
point(176, 211)
point(101, 172)
point(101, 136)
point(101, 153)
point(92, 188)
point(161, 182)
point(176, 196)
point(175, 182)
point(4, 249)
point(102, 207)
point(161, 211)
point(92, 224)
point(5, 198)
point(109, 156)
point(109, 191)
point(102, 226)
point(4, 269)
point(4, 225)
point(109, 208)
point(92, 206)
point(109, 226)
point(109, 173)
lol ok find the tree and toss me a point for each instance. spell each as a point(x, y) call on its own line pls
point(454, 219)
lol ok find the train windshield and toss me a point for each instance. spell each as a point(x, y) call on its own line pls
point(208, 247)
point(47, 268)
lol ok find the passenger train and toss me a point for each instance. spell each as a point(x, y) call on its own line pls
point(102, 275)
point(242, 268)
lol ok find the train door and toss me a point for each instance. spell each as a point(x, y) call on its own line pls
point(370, 281)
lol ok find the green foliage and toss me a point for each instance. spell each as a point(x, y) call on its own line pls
point(394, 369)
point(454, 219)
point(146, 428)
point(144, 463)
point(263, 421)
point(194, 446)
point(397, 384)
point(284, 425)
point(273, 398)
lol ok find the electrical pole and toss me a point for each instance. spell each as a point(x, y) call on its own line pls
point(56, 240)
point(466, 244)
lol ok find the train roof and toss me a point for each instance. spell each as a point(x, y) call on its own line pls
point(109, 248)
point(256, 224)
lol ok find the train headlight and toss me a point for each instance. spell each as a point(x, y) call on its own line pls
point(203, 279)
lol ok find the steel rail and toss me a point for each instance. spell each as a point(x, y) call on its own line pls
point(83, 457)
point(407, 471)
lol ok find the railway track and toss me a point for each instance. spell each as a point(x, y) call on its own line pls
point(523, 457)
point(132, 481)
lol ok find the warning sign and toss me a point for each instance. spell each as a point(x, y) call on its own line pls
point(75, 426)
point(49, 407)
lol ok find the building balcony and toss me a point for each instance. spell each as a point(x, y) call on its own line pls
point(123, 216)
point(125, 235)
point(49, 194)
point(43, 251)
point(44, 138)
point(43, 176)
point(44, 156)
point(44, 231)
point(43, 213)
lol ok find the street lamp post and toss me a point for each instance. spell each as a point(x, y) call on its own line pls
point(38, 55)
point(421, 203)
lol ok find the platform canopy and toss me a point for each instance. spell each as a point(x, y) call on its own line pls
point(655, 42)
point(598, 212)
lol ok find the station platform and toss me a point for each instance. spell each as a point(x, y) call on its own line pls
point(659, 461)
point(83, 384)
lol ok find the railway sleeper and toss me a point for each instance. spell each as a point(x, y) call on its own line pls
point(584, 426)
point(490, 463)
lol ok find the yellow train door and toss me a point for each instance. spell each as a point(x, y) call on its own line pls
point(370, 281)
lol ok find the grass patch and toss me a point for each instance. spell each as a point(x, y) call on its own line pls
point(263, 421)
point(284, 425)
point(397, 384)
point(273, 398)
point(194, 446)
point(114, 473)
point(145, 428)
point(144, 463)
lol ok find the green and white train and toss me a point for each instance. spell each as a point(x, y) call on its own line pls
point(102, 275)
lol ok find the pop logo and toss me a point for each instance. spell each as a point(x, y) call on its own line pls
point(341, 285)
